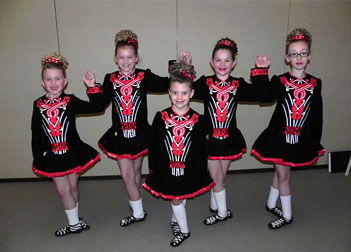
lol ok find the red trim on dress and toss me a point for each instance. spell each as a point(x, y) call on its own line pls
point(179, 197)
point(76, 170)
point(282, 162)
point(260, 71)
point(127, 156)
point(234, 157)
point(94, 90)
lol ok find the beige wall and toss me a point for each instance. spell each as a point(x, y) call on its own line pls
point(86, 31)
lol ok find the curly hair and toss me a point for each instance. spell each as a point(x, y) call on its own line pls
point(226, 43)
point(181, 72)
point(126, 38)
point(54, 61)
point(298, 34)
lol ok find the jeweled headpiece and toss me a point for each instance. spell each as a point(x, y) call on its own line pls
point(226, 42)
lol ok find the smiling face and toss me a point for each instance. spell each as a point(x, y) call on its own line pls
point(54, 82)
point(126, 59)
point(298, 56)
point(180, 95)
point(223, 63)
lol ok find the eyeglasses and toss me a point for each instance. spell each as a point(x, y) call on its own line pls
point(295, 55)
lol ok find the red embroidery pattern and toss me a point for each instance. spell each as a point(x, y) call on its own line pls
point(94, 90)
point(299, 95)
point(59, 147)
point(127, 100)
point(52, 112)
point(297, 105)
point(53, 122)
point(222, 106)
point(255, 72)
point(128, 126)
point(292, 130)
point(173, 164)
point(126, 90)
point(178, 142)
point(220, 133)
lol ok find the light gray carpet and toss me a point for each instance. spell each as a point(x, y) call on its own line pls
point(30, 212)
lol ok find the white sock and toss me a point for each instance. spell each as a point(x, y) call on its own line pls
point(137, 206)
point(72, 215)
point(273, 197)
point(179, 213)
point(173, 217)
point(213, 203)
point(286, 206)
point(221, 200)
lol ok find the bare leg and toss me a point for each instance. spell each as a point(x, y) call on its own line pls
point(216, 172)
point(63, 188)
point(126, 167)
point(225, 164)
point(137, 164)
point(73, 180)
point(283, 174)
point(275, 183)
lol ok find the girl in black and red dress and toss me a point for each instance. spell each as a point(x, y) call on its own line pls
point(220, 93)
point(177, 154)
point(127, 139)
point(293, 136)
point(57, 149)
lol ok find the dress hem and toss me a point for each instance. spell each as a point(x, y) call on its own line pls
point(280, 161)
point(76, 170)
point(179, 197)
point(127, 156)
point(233, 157)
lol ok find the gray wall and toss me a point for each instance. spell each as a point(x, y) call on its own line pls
point(86, 29)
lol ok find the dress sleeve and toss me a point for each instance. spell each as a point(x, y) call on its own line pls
point(107, 93)
point(317, 113)
point(268, 90)
point(155, 142)
point(36, 132)
point(155, 83)
point(251, 91)
point(92, 106)
point(200, 88)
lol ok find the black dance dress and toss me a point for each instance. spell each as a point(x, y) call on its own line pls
point(56, 146)
point(225, 140)
point(177, 156)
point(128, 135)
point(294, 133)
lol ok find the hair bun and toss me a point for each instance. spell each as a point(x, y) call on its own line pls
point(182, 71)
point(127, 36)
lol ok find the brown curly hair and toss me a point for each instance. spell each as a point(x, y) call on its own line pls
point(181, 72)
point(226, 43)
point(298, 34)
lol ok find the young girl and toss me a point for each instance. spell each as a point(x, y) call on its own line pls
point(220, 94)
point(127, 139)
point(57, 149)
point(177, 154)
point(293, 136)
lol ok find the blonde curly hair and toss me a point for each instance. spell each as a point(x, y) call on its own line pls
point(298, 34)
point(126, 38)
point(54, 61)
